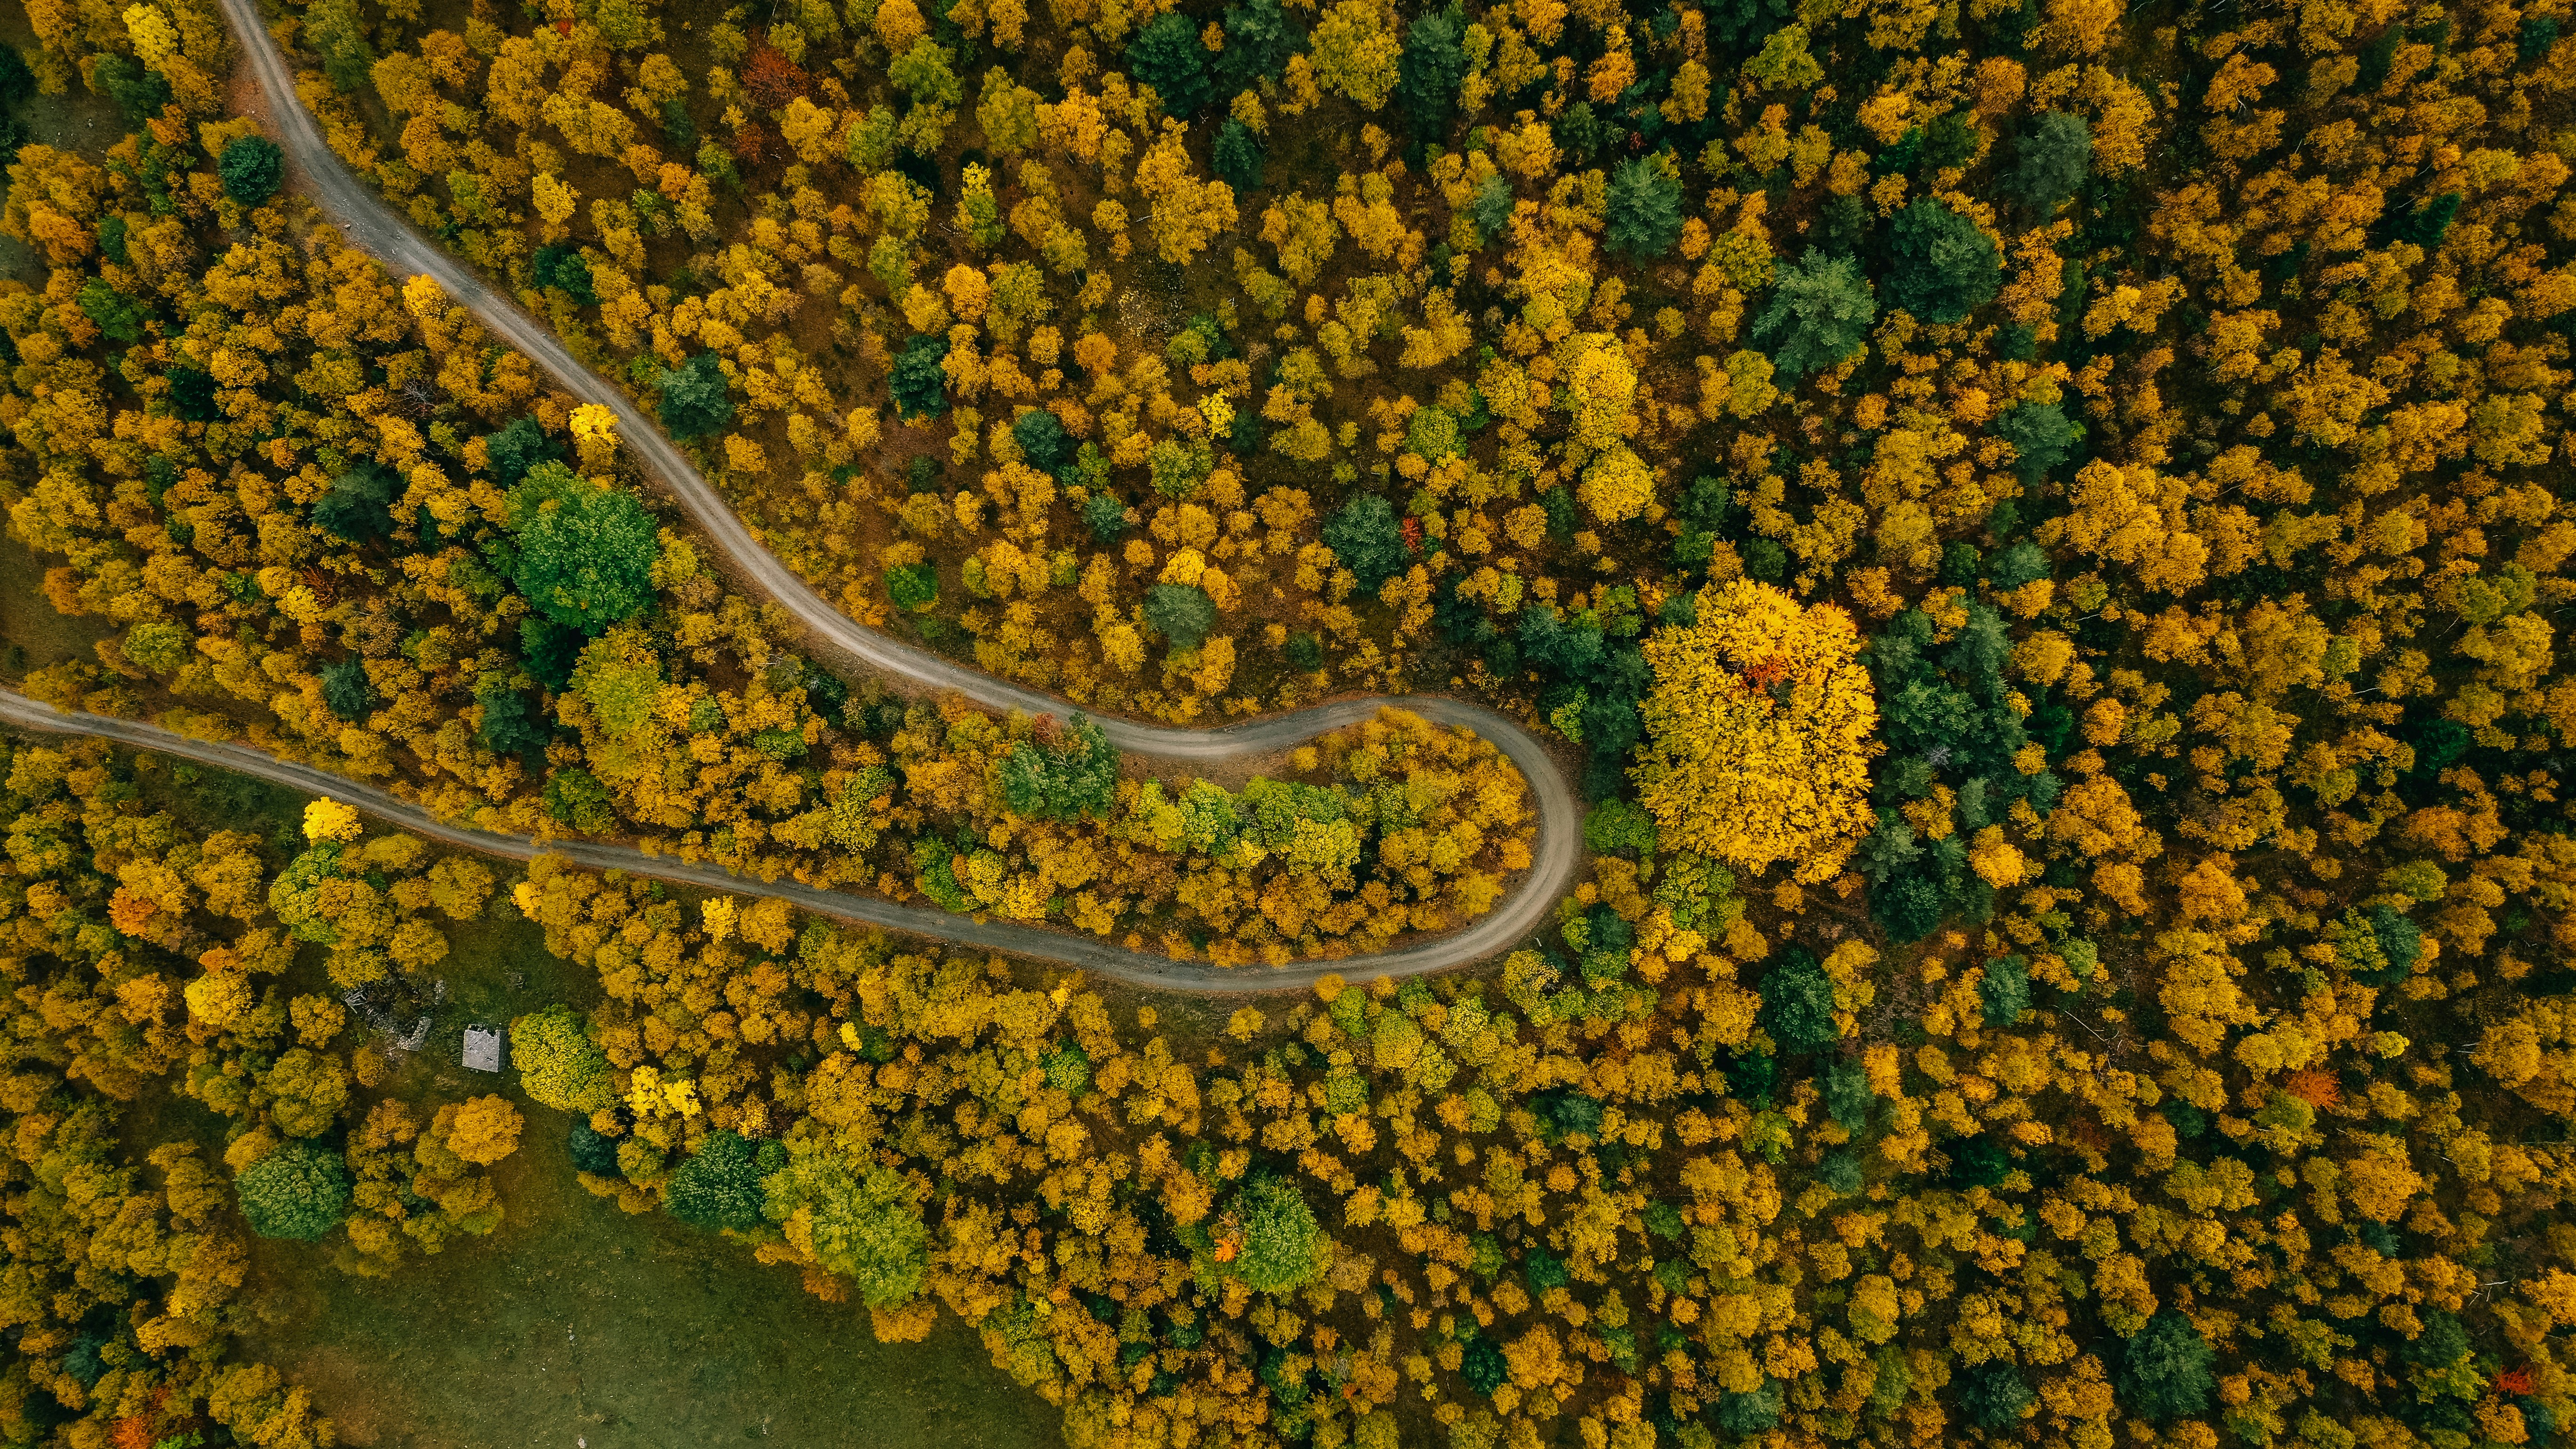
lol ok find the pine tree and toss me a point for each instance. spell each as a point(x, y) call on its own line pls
point(1259, 39)
point(2055, 158)
point(1180, 613)
point(1429, 73)
point(252, 168)
point(1945, 267)
point(586, 553)
point(919, 383)
point(2165, 1370)
point(1645, 208)
point(695, 403)
point(1363, 535)
point(1070, 780)
point(1819, 314)
point(1166, 55)
point(1238, 157)
point(2043, 437)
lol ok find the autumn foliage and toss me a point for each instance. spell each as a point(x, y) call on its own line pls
point(1759, 733)
point(2036, 524)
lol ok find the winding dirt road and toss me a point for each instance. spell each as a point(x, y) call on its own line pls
point(367, 223)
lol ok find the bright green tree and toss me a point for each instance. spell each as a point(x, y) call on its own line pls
point(298, 1192)
point(1066, 780)
point(865, 1226)
point(718, 1188)
point(1283, 1246)
point(586, 552)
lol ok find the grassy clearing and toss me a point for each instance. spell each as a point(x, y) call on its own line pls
point(576, 1322)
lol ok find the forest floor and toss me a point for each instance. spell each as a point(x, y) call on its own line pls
point(32, 635)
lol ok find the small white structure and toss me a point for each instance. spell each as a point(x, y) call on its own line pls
point(483, 1047)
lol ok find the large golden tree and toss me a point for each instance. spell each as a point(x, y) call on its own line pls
point(1759, 732)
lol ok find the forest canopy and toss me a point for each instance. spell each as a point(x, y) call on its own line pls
point(2033, 525)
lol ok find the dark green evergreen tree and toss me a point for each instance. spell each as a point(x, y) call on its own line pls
point(718, 1187)
point(1994, 1394)
point(1429, 73)
point(2042, 437)
point(1365, 537)
point(345, 690)
point(2426, 225)
point(1492, 208)
point(1748, 1414)
point(509, 726)
point(252, 168)
point(512, 451)
point(1819, 314)
point(1074, 777)
point(1848, 1098)
point(1645, 209)
point(1166, 55)
point(1798, 1003)
point(298, 1192)
point(1237, 157)
point(561, 266)
point(2003, 992)
point(1259, 39)
point(17, 82)
point(358, 506)
point(695, 401)
point(549, 651)
point(1945, 267)
point(2055, 158)
point(586, 553)
point(1042, 442)
point(575, 797)
point(919, 383)
point(139, 91)
point(1105, 516)
point(678, 126)
point(1180, 613)
point(1843, 226)
point(2166, 1369)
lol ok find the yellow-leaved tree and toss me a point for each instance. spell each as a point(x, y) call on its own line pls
point(1758, 733)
